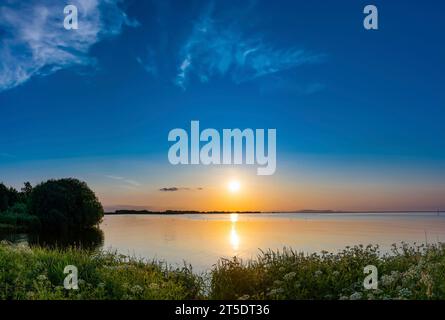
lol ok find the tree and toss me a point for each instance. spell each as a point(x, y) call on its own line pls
point(4, 197)
point(8, 197)
point(65, 204)
point(25, 192)
point(27, 188)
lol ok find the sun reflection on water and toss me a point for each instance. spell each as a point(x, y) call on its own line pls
point(234, 237)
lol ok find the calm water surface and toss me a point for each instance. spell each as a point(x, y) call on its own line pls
point(200, 239)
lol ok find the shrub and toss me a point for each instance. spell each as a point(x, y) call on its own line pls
point(8, 197)
point(17, 217)
point(65, 204)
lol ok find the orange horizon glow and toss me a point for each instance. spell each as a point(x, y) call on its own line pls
point(298, 185)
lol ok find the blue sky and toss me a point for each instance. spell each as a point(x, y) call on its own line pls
point(91, 102)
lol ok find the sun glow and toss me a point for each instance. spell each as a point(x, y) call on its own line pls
point(234, 186)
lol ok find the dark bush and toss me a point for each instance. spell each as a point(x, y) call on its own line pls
point(17, 217)
point(8, 197)
point(65, 205)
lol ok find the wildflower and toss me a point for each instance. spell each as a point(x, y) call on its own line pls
point(276, 291)
point(136, 289)
point(355, 296)
point(404, 293)
point(318, 273)
point(41, 277)
point(23, 248)
point(281, 269)
point(153, 286)
point(278, 283)
point(387, 280)
point(335, 273)
point(289, 276)
point(428, 282)
point(344, 298)
point(101, 285)
point(244, 297)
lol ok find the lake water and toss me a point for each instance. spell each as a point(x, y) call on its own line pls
point(201, 239)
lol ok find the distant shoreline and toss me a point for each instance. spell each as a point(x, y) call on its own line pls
point(178, 212)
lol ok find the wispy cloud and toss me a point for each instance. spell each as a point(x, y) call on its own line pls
point(173, 189)
point(148, 62)
point(114, 177)
point(129, 183)
point(34, 41)
point(218, 48)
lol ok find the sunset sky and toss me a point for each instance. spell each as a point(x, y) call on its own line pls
point(360, 115)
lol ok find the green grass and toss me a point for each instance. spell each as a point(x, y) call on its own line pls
point(37, 273)
point(407, 273)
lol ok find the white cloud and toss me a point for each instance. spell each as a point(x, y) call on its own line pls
point(129, 182)
point(217, 47)
point(34, 42)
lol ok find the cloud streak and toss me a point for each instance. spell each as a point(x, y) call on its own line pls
point(129, 183)
point(215, 48)
point(174, 189)
point(35, 43)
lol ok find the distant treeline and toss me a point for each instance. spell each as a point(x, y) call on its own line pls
point(132, 211)
point(174, 212)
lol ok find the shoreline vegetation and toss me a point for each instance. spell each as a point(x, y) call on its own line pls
point(409, 272)
point(51, 207)
point(59, 207)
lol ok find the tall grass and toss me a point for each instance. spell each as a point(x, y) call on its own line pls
point(409, 272)
point(37, 273)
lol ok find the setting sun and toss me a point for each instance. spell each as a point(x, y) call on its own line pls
point(234, 186)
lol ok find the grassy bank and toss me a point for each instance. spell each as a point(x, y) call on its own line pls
point(408, 273)
point(37, 273)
